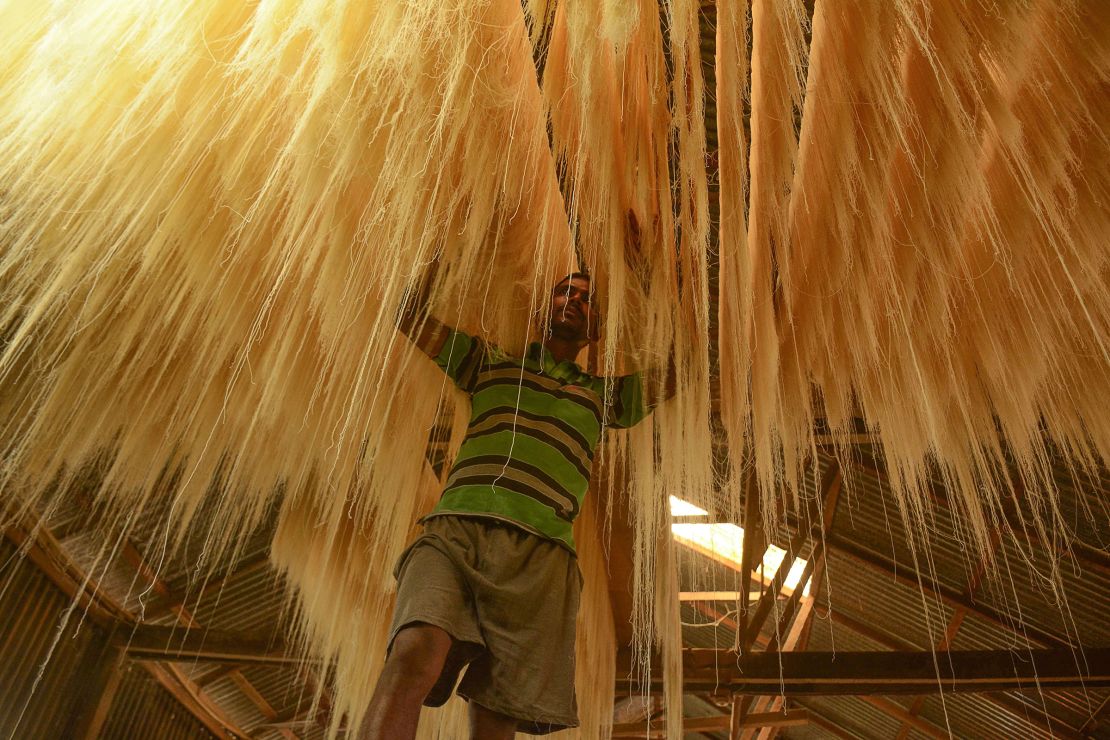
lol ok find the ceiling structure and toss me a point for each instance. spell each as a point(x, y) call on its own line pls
point(1010, 661)
point(217, 645)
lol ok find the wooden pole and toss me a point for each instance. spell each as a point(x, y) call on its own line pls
point(97, 692)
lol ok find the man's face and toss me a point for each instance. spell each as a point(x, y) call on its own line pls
point(571, 316)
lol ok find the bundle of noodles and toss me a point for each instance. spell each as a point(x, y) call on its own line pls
point(778, 61)
point(212, 212)
point(625, 102)
point(934, 260)
point(203, 247)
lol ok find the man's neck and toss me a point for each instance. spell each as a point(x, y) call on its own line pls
point(563, 349)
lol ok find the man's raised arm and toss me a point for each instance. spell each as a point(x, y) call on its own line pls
point(414, 321)
point(456, 353)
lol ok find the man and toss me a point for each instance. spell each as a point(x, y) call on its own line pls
point(493, 582)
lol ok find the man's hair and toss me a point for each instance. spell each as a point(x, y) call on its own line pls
point(568, 278)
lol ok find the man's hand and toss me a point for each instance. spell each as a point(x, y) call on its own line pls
point(412, 316)
point(414, 305)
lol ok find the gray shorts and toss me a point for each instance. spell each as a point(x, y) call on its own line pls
point(509, 599)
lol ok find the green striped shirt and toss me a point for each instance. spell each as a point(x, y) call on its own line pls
point(534, 426)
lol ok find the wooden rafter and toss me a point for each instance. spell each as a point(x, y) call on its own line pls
point(260, 701)
point(725, 620)
point(97, 693)
point(143, 635)
point(215, 674)
point(128, 635)
point(886, 673)
point(791, 718)
point(769, 598)
point(195, 701)
point(1096, 717)
point(43, 549)
point(751, 553)
point(831, 486)
point(304, 712)
point(181, 644)
point(827, 499)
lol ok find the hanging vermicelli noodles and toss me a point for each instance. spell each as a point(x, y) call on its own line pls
point(204, 258)
point(953, 355)
point(212, 211)
point(619, 119)
point(207, 244)
point(945, 279)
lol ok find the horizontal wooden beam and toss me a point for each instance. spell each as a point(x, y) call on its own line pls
point(1035, 714)
point(789, 718)
point(886, 673)
point(50, 558)
point(175, 644)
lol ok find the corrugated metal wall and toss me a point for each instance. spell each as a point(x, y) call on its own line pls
point(43, 674)
point(39, 670)
point(142, 709)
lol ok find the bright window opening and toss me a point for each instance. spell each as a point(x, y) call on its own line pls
point(685, 508)
point(725, 543)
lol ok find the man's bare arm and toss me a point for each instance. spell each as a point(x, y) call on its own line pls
point(414, 321)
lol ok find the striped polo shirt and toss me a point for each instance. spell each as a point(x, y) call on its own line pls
point(534, 426)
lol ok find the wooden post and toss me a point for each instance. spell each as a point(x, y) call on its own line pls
point(97, 691)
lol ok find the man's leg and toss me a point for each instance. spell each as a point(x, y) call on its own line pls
point(411, 670)
point(486, 724)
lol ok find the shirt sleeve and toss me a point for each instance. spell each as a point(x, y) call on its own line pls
point(626, 403)
point(461, 358)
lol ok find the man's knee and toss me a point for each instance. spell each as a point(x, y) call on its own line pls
point(418, 655)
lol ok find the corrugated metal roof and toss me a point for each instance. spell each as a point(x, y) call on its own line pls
point(282, 687)
point(235, 703)
point(1085, 504)
point(38, 659)
point(895, 610)
point(854, 715)
point(811, 731)
point(829, 636)
point(142, 709)
point(1022, 586)
point(251, 602)
point(977, 633)
point(876, 598)
point(869, 516)
point(971, 715)
point(1071, 708)
point(709, 633)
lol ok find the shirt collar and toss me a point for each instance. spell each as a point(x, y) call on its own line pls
point(542, 356)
